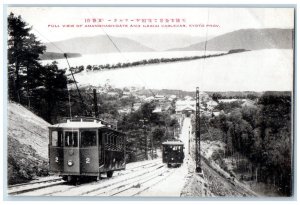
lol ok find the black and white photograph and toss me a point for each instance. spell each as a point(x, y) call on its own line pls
point(150, 101)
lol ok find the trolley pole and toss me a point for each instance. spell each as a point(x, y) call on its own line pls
point(81, 99)
point(197, 147)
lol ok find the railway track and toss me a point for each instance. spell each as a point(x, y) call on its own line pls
point(57, 187)
point(32, 186)
point(107, 184)
point(132, 183)
point(144, 184)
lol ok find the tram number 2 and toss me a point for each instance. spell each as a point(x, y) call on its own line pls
point(56, 159)
point(87, 160)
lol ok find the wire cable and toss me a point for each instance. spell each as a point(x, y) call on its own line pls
point(49, 40)
point(65, 55)
point(119, 50)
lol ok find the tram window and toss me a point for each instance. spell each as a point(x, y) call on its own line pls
point(88, 138)
point(56, 138)
point(100, 135)
point(105, 138)
point(114, 139)
point(175, 148)
point(109, 139)
point(118, 140)
point(71, 139)
point(121, 140)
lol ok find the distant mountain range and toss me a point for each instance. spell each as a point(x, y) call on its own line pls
point(165, 41)
point(97, 44)
point(249, 39)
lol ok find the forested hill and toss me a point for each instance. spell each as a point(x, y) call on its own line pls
point(54, 56)
point(258, 138)
point(249, 39)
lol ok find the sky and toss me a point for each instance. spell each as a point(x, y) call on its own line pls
point(45, 20)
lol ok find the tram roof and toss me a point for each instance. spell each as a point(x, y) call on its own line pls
point(70, 124)
point(173, 143)
point(81, 123)
point(78, 123)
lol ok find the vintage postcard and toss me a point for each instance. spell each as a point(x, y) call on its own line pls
point(136, 101)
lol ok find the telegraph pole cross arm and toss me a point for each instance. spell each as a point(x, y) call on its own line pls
point(197, 147)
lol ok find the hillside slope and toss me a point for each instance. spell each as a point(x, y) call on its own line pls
point(53, 55)
point(250, 39)
point(165, 41)
point(27, 144)
point(97, 44)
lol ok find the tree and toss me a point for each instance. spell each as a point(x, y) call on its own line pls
point(23, 55)
point(31, 64)
point(228, 107)
point(216, 96)
point(28, 79)
point(55, 82)
point(273, 123)
point(158, 135)
point(262, 135)
point(147, 111)
point(50, 93)
point(252, 96)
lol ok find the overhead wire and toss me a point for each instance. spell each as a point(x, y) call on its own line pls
point(204, 54)
point(27, 89)
point(203, 60)
point(49, 41)
point(64, 53)
point(119, 50)
point(205, 45)
point(201, 83)
point(205, 49)
point(81, 99)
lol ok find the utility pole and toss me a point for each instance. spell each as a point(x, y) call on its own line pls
point(197, 147)
point(95, 104)
point(146, 138)
point(152, 146)
point(146, 142)
point(189, 140)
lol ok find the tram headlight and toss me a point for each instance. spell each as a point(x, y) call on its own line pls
point(70, 163)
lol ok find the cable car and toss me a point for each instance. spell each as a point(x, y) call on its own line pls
point(85, 147)
point(172, 153)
